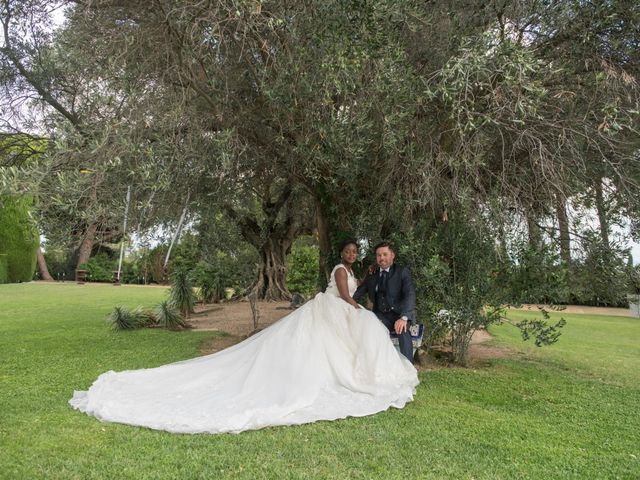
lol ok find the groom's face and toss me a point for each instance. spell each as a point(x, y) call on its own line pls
point(385, 257)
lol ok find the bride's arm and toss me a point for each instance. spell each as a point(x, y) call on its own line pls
point(343, 288)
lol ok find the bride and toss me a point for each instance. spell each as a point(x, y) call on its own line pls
point(329, 359)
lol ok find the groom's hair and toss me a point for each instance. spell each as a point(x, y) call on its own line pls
point(384, 244)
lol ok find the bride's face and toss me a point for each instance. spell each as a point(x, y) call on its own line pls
point(349, 253)
point(385, 257)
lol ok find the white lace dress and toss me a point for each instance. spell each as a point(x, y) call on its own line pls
point(324, 361)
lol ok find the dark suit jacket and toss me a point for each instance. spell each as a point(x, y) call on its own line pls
point(401, 291)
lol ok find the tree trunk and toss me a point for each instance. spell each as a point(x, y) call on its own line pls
point(42, 267)
point(602, 212)
point(272, 270)
point(535, 237)
point(84, 252)
point(563, 226)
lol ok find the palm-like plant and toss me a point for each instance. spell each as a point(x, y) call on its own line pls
point(181, 293)
point(168, 317)
point(122, 319)
point(145, 318)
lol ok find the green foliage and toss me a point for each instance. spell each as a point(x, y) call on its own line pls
point(601, 278)
point(303, 265)
point(454, 265)
point(168, 316)
point(461, 282)
point(4, 269)
point(181, 294)
point(19, 238)
point(60, 261)
point(535, 276)
point(211, 280)
point(633, 279)
point(100, 268)
point(144, 317)
point(123, 319)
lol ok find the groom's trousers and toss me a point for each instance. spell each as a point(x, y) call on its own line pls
point(404, 339)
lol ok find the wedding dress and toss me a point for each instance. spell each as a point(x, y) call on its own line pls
point(324, 361)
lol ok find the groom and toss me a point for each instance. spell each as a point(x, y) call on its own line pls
point(393, 293)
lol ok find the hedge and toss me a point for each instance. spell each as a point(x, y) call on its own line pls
point(19, 239)
point(4, 269)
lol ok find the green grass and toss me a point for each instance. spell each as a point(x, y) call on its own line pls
point(601, 347)
point(569, 411)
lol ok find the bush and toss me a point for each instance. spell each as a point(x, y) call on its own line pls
point(181, 293)
point(454, 265)
point(537, 276)
point(210, 281)
point(456, 268)
point(4, 270)
point(60, 262)
point(601, 279)
point(168, 317)
point(633, 279)
point(303, 266)
point(145, 318)
point(19, 238)
point(122, 319)
point(100, 268)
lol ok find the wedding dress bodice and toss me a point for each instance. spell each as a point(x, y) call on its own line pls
point(352, 283)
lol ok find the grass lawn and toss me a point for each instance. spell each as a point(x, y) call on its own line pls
point(567, 411)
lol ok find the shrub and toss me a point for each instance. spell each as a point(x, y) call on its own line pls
point(181, 293)
point(537, 276)
point(60, 262)
point(168, 316)
point(4, 270)
point(457, 272)
point(633, 280)
point(19, 238)
point(303, 266)
point(210, 281)
point(100, 268)
point(601, 278)
point(145, 318)
point(122, 319)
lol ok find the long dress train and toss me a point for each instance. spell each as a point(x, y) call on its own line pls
point(324, 361)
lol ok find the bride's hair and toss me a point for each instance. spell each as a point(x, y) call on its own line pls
point(348, 241)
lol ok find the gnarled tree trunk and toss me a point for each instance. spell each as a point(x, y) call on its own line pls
point(272, 270)
point(272, 234)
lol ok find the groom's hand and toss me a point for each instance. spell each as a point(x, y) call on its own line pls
point(400, 326)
